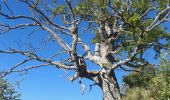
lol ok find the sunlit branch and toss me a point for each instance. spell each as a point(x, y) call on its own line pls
point(64, 45)
point(57, 54)
point(156, 21)
point(126, 60)
point(33, 56)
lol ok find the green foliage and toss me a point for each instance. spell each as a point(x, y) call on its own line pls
point(137, 93)
point(140, 79)
point(149, 86)
point(134, 25)
point(134, 18)
point(7, 92)
point(59, 9)
point(117, 4)
point(91, 9)
point(156, 34)
point(162, 4)
point(159, 85)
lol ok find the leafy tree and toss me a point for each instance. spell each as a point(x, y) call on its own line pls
point(140, 79)
point(7, 92)
point(137, 93)
point(121, 32)
point(156, 87)
point(159, 85)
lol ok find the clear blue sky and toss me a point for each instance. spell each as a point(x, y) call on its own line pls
point(44, 83)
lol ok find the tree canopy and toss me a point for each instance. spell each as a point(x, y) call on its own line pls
point(7, 92)
point(112, 34)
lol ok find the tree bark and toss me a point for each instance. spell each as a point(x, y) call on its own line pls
point(110, 87)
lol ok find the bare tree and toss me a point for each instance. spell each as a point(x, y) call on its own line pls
point(120, 26)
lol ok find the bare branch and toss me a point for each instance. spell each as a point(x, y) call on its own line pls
point(130, 70)
point(57, 54)
point(168, 19)
point(30, 67)
point(73, 78)
point(10, 10)
point(90, 86)
point(7, 28)
point(64, 45)
point(33, 56)
point(147, 11)
point(60, 41)
point(15, 66)
point(86, 48)
point(156, 21)
point(46, 18)
point(161, 46)
point(72, 11)
point(126, 60)
point(34, 31)
point(19, 17)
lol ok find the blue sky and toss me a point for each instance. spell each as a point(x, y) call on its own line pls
point(46, 83)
